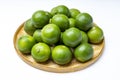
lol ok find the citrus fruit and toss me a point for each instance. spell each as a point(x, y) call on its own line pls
point(37, 35)
point(49, 14)
point(74, 12)
point(25, 43)
point(50, 33)
point(40, 18)
point(84, 21)
point(95, 34)
point(84, 37)
point(41, 52)
point(61, 9)
point(29, 28)
point(61, 21)
point(83, 52)
point(61, 54)
point(72, 37)
point(72, 22)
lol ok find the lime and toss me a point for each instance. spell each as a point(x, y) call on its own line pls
point(84, 21)
point(61, 54)
point(61, 21)
point(40, 18)
point(29, 27)
point(50, 33)
point(83, 52)
point(25, 43)
point(61, 9)
point(95, 34)
point(41, 52)
point(72, 22)
point(74, 12)
point(72, 37)
point(84, 37)
point(49, 14)
point(37, 35)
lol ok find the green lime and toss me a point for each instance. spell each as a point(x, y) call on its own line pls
point(61, 9)
point(72, 22)
point(29, 27)
point(84, 37)
point(41, 52)
point(50, 33)
point(61, 54)
point(72, 37)
point(25, 43)
point(74, 12)
point(83, 52)
point(95, 34)
point(49, 14)
point(84, 21)
point(61, 21)
point(40, 18)
point(37, 35)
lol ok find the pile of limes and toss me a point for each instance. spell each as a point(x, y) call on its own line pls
point(60, 35)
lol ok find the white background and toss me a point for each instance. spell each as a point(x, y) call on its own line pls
point(106, 13)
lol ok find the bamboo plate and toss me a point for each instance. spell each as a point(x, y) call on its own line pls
point(50, 65)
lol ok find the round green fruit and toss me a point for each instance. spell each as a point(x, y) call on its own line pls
point(61, 21)
point(29, 28)
point(61, 9)
point(83, 52)
point(25, 43)
point(37, 35)
point(95, 34)
point(84, 21)
point(50, 34)
point(61, 55)
point(41, 52)
point(72, 37)
point(40, 18)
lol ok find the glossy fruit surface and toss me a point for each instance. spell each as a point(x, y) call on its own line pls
point(61, 21)
point(37, 35)
point(61, 9)
point(72, 22)
point(25, 43)
point(95, 34)
point(61, 54)
point(83, 52)
point(72, 37)
point(29, 27)
point(50, 34)
point(84, 37)
point(74, 12)
point(84, 21)
point(41, 52)
point(40, 18)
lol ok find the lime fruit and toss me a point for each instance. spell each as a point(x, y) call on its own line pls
point(84, 21)
point(41, 52)
point(83, 52)
point(25, 43)
point(29, 28)
point(37, 35)
point(61, 21)
point(50, 33)
point(72, 37)
point(61, 54)
point(95, 34)
point(61, 9)
point(40, 18)
point(74, 12)
point(72, 22)
point(84, 37)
